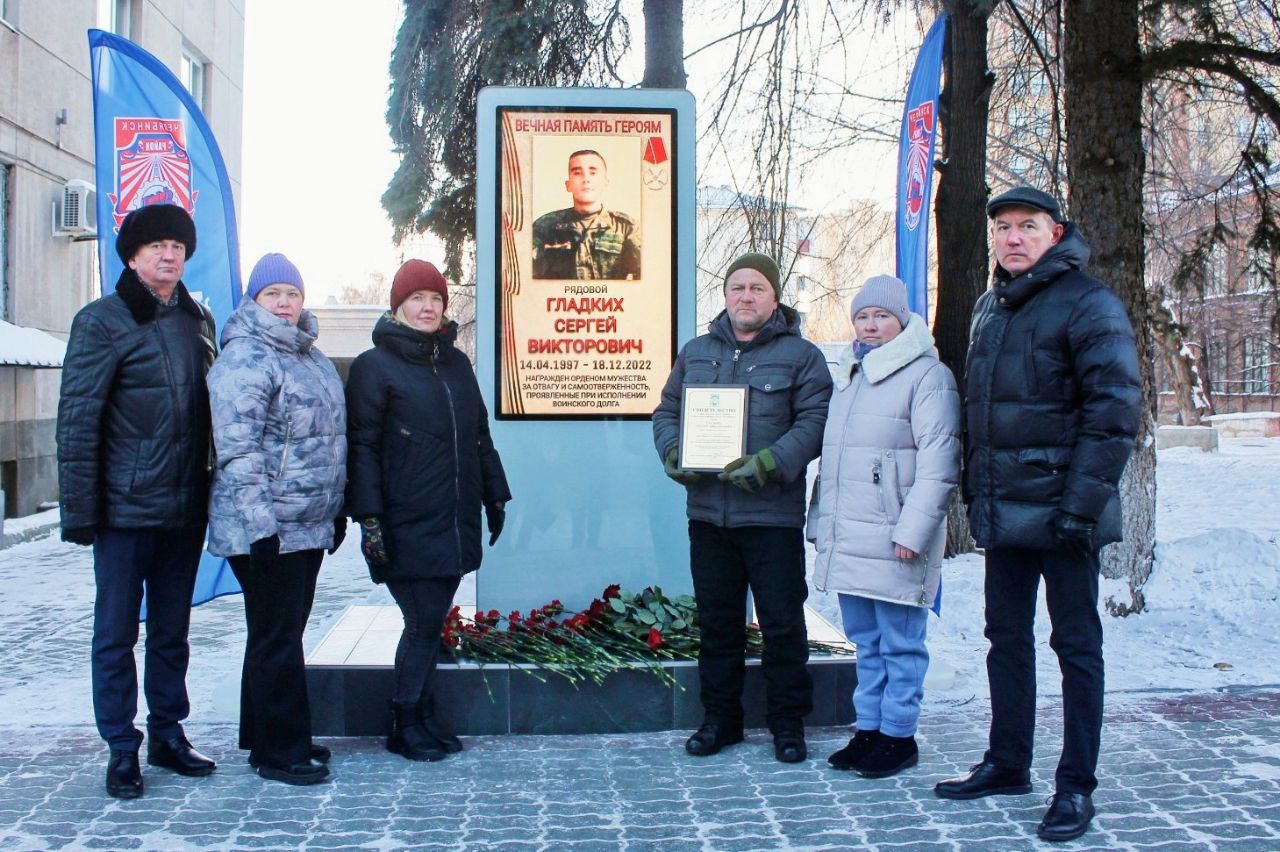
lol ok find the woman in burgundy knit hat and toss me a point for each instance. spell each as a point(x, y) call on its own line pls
point(421, 465)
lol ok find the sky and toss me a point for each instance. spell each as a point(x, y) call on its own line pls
point(317, 154)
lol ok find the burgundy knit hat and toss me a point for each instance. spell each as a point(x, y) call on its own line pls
point(417, 275)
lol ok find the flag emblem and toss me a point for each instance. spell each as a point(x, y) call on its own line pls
point(920, 134)
point(151, 166)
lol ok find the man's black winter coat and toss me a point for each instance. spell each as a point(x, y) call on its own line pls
point(1053, 401)
point(133, 417)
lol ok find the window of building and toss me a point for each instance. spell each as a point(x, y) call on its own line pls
point(1215, 271)
point(1261, 270)
point(1216, 355)
point(4, 241)
point(1256, 367)
point(114, 16)
point(193, 77)
point(804, 236)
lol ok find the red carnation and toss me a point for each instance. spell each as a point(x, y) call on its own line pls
point(655, 638)
point(614, 591)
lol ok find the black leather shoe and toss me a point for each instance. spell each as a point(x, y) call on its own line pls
point(1067, 818)
point(789, 747)
point(124, 775)
point(859, 747)
point(712, 737)
point(299, 774)
point(319, 753)
point(177, 754)
point(985, 779)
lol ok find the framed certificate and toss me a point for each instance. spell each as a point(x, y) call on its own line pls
point(713, 426)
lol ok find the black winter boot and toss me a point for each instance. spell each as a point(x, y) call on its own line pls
point(889, 756)
point(436, 727)
point(857, 749)
point(408, 737)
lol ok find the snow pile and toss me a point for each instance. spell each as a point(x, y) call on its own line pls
point(1213, 600)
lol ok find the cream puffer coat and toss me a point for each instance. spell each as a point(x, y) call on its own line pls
point(890, 459)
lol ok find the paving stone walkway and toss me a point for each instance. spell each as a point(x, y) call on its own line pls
point(1179, 770)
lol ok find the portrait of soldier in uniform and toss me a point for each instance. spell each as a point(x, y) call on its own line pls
point(587, 241)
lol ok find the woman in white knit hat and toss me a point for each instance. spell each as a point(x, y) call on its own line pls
point(890, 459)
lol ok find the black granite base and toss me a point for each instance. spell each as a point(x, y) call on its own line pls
point(352, 700)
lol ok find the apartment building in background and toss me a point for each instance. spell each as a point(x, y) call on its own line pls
point(48, 271)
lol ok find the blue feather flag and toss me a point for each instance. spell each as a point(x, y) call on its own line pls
point(915, 167)
point(153, 145)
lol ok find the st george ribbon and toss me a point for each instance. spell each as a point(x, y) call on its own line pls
point(153, 145)
point(915, 167)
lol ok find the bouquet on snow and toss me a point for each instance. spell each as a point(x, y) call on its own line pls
point(618, 631)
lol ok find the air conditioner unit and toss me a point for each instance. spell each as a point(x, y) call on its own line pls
point(77, 214)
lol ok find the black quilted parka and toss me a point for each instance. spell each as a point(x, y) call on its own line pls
point(1052, 404)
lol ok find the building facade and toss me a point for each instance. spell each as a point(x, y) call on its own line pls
point(46, 140)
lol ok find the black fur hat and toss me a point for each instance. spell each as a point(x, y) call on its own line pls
point(155, 222)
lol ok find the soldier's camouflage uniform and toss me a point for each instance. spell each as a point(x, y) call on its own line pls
point(600, 245)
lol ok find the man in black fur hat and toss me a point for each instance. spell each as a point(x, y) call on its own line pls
point(133, 470)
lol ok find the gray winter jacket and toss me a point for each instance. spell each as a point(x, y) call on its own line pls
point(890, 460)
point(786, 409)
point(280, 434)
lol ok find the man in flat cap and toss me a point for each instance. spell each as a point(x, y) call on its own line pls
point(746, 521)
point(1052, 406)
point(133, 470)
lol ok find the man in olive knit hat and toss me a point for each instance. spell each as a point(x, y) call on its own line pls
point(133, 470)
point(745, 521)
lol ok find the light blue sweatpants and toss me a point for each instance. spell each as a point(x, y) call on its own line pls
point(892, 660)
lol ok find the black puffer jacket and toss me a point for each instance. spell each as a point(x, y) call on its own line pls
point(1052, 401)
point(133, 418)
point(419, 455)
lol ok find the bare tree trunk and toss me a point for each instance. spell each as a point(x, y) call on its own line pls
point(962, 189)
point(1105, 160)
point(664, 45)
point(1188, 390)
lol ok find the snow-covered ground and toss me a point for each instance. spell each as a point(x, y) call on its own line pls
point(1213, 600)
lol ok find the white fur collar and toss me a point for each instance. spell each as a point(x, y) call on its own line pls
point(914, 340)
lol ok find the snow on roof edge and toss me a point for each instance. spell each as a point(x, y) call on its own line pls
point(29, 347)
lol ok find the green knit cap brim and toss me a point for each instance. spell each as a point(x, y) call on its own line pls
point(761, 263)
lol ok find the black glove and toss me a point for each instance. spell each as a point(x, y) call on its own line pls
point(339, 533)
point(679, 474)
point(265, 551)
point(496, 515)
point(1074, 533)
point(82, 536)
point(372, 544)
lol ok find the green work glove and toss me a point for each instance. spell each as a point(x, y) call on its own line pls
point(750, 473)
point(684, 477)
